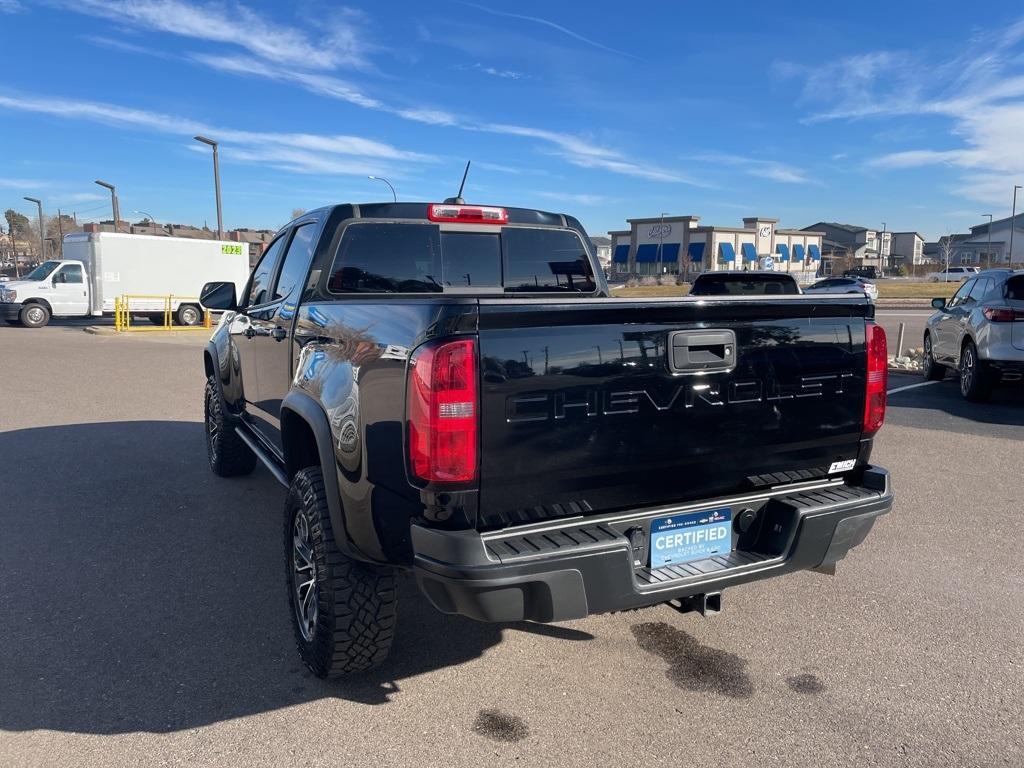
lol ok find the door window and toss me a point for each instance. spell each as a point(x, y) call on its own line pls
point(981, 287)
point(259, 283)
point(71, 273)
point(961, 294)
point(296, 262)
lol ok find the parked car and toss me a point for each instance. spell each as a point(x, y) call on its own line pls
point(748, 283)
point(448, 389)
point(952, 274)
point(979, 333)
point(869, 273)
point(844, 285)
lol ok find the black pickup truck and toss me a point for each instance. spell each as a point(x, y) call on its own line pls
point(450, 389)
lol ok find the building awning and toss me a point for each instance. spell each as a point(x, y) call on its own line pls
point(696, 251)
point(725, 250)
point(815, 252)
point(621, 255)
point(798, 253)
point(749, 252)
point(648, 253)
point(783, 250)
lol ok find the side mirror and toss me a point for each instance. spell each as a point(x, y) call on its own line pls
point(218, 296)
point(938, 303)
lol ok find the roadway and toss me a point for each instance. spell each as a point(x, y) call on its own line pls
point(144, 620)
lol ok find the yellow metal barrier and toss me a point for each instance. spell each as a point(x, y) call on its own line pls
point(123, 313)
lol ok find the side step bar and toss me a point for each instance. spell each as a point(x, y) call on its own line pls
point(262, 455)
point(704, 604)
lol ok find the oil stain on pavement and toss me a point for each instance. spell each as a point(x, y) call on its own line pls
point(496, 725)
point(805, 683)
point(694, 666)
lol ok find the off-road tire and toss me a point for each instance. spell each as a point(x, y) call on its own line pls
point(228, 455)
point(975, 378)
point(34, 315)
point(932, 370)
point(355, 603)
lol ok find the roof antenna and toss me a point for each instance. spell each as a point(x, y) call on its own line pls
point(457, 200)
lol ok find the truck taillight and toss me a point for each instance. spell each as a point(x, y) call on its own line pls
point(1002, 314)
point(441, 407)
point(467, 214)
point(877, 378)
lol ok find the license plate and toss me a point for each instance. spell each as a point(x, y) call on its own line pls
point(693, 536)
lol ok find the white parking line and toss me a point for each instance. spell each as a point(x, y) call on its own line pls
point(910, 386)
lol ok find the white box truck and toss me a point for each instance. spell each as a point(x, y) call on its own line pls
point(100, 266)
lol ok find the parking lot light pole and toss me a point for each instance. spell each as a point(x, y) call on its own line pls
point(216, 182)
point(113, 203)
point(394, 194)
point(1013, 215)
point(42, 227)
point(989, 252)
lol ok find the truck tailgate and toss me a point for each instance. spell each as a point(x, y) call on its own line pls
point(589, 407)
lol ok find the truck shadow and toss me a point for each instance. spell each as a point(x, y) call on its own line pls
point(138, 592)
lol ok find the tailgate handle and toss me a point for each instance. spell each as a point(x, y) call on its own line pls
point(700, 351)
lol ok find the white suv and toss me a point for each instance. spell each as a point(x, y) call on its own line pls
point(952, 274)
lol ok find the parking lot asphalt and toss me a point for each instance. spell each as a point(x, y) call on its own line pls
point(144, 620)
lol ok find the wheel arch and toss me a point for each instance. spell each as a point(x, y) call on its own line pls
point(306, 440)
point(38, 300)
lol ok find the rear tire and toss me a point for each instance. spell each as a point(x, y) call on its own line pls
point(932, 370)
point(343, 611)
point(189, 314)
point(975, 380)
point(156, 318)
point(34, 315)
point(228, 455)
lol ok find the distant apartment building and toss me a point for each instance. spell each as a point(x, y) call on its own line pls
point(985, 245)
point(603, 249)
point(681, 245)
point(907, 248)
point(865, 246)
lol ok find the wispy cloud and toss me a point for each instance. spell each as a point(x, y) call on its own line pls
point(22, 183)
point(574, 198)
point(551, 25)
point(301, 152)
point(504, 74)
point(235, 24)
point(981, 90)
point(765, 169)
point(11, 6)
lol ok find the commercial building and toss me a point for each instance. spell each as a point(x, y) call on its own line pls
point(680, 245)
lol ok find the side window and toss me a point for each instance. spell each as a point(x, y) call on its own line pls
point(259, 283)
point(961, 294)
point(981, 287)
point(296, 261)
point(71, 273)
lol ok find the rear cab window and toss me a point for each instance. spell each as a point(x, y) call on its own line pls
point(379, 257)
point(744, 285)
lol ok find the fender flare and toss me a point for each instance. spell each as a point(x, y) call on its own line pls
point(310, 411)
point(38, 300)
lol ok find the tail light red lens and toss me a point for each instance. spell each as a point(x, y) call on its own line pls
point(1003, 314)
point(877, 378)
point(442, 406)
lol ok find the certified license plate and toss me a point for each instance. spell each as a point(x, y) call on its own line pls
point(693, 536)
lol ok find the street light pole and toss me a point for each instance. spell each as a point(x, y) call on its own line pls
point(60, 229)
point(113, 203)
point(661, 240)
point(1013, 216)
point(394, 194)
point(989, 252)
point(216, 182)
point(42, 227)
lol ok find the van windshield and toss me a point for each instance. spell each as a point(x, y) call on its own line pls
point(377, 257)
point(42, 271)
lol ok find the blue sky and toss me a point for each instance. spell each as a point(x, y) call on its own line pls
point(907, 113)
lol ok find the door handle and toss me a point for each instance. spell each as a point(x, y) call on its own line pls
point(702, 351)
point(279, 334)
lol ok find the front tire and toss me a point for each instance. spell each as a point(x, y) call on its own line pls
point(189, 314)
point(932, 370)
point(34, 315)
point(343, 611)
point(228, 455)
point(975, 380)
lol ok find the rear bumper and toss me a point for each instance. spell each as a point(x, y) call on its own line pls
point(570, 570)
